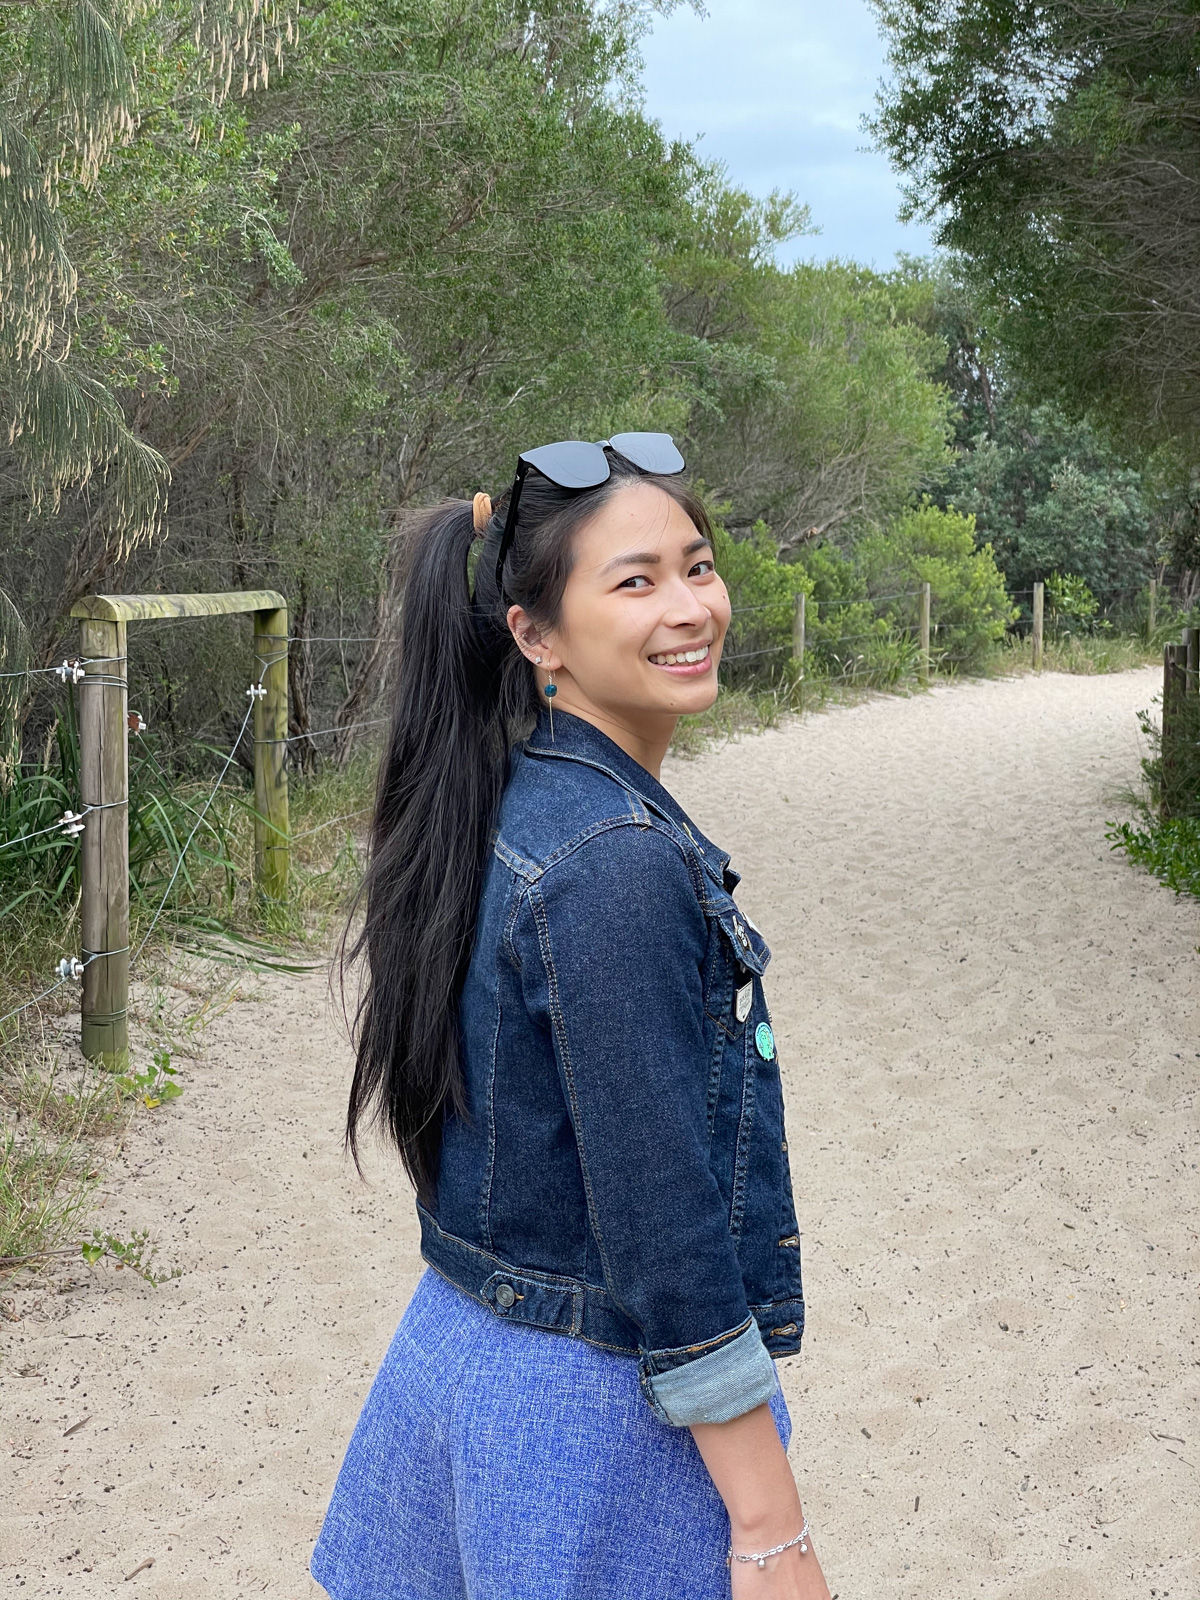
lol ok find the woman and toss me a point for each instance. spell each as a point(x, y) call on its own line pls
point(564, 1032)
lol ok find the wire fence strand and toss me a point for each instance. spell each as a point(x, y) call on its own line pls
point(38, 998)
point(319, 733)
point(200, 816)
point(363, 811)
point(870, 599)
point(341, 638)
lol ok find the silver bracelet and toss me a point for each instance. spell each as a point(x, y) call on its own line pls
point(761, 1555)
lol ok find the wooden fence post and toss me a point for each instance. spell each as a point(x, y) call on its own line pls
point(926, 613)
point(798, 629)
point(271, 832)
point(104, 784)
point(1039, 617)
point(1152, 610)
point(104, 845)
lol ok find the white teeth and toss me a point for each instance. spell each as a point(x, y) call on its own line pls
point(680, 658)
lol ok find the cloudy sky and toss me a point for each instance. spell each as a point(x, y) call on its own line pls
point(777, 89)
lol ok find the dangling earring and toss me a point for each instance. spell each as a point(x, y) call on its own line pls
point(550, 691)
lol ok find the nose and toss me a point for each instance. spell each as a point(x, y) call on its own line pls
point(685, 608)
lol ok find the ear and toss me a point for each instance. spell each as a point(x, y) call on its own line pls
point(531, 642)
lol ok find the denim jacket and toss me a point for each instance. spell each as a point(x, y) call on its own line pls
point(621, 1174)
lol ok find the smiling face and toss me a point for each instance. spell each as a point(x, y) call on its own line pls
point(642, 622)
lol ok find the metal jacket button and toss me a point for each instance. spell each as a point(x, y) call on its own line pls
point(505, 1295)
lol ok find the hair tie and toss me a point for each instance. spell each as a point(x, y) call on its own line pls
point(482, 510)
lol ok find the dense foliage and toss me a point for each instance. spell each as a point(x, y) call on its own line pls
point(324, 264)
point(1051, 495)
point(1057, 146)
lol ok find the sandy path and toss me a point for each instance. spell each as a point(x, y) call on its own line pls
point(991, 1034)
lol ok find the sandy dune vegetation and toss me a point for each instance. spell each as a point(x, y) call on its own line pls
point(990, 1028)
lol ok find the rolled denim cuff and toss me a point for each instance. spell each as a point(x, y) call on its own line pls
point(725, 1383)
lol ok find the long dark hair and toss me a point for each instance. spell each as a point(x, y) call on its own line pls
point(465, 695)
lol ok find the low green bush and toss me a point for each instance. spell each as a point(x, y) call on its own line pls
point(1172, 777)
point(762, 591)
point(1070, 604)
point(1168, 841)
point(971, 609)
point(1169, 849)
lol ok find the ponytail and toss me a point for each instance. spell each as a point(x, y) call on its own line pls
point(465, 694)
point(439, 785)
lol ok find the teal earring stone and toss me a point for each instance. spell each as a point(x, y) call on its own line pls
point(550, 691)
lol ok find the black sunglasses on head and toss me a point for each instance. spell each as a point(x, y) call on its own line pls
point(575, 464)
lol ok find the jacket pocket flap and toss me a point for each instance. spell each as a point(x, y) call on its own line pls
point(749, 946)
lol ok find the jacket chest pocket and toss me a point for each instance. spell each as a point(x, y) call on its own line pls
point(742, 958)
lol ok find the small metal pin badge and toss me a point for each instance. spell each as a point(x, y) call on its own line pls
point(744, 1001)
point(764, 1041)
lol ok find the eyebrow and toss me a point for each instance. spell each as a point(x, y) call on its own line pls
point(651, 558)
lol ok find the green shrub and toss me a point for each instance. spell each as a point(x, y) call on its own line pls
point(846, 638)
point(1070, 602)
point(971, 608)
point(762, 590)
point(1168, 843)
point(1170, 850)
point(1174, 783)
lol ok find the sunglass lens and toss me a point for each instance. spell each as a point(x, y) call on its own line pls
point(571, 464)
point(652, 452)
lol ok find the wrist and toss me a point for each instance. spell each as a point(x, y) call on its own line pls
point(765, 1524)
point(784, 1547)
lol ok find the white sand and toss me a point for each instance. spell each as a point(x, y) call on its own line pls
point(990, 1028)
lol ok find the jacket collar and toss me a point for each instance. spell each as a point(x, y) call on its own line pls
point(578, 740)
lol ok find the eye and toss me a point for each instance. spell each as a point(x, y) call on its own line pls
point(703, 568)
point(638, 579)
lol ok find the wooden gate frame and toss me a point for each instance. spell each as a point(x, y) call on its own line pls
point(104, 784)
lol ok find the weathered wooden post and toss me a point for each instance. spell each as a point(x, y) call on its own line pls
point(271, 833)
point(104, 844)
point(1039, 618)
point(798, 630)
point(926, 613)
point(1191, 646)
point(1152, 610)
point(104, 784)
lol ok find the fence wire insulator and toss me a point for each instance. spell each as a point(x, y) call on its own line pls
point(256, 691)
point(70, 967)
point(72, 823)
point(137, 723)
point(71, 671)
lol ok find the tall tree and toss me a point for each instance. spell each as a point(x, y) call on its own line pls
point(818, 412)
point(78, 80)
point(1056, 145)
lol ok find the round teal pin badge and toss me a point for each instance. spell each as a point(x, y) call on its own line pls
point(764, 1041)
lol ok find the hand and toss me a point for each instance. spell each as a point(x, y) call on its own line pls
point(790, 1576)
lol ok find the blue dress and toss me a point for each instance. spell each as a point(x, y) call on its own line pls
point(493, 1461)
